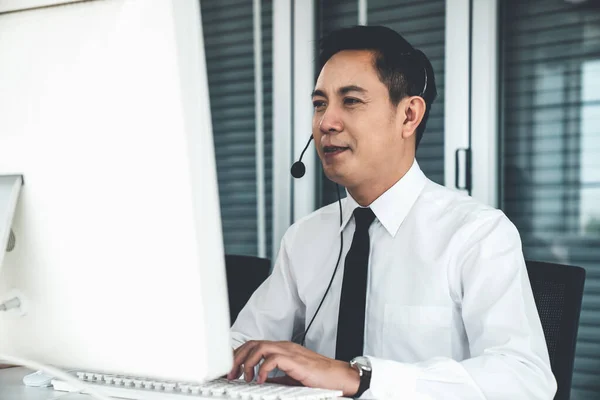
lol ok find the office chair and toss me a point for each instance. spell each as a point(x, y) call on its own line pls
point(244, 275)
point(558, 290)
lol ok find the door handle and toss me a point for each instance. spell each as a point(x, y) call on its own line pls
point(467, 153)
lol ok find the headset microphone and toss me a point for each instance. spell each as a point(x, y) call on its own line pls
point(298, 169)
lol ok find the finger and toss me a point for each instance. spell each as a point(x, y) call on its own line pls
point(244, 345)
point(254, 357)
point(248, 371)
point(280, 361)
point(235, 373)
point(284, 380)
point(239, 358)
point(260, 352)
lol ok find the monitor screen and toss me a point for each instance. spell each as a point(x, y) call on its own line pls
point(118, 253)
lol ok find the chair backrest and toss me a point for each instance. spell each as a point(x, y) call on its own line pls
point(244, 275)
point(558, 290)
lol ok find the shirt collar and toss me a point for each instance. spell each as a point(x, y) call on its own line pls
point(394, 204)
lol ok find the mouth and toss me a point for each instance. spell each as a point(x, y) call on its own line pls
point(334, 150)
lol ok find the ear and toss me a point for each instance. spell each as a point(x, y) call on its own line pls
point(413, 109)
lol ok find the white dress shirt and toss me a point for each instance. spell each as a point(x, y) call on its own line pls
point(449, 314)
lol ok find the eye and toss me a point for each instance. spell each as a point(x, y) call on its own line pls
point(350, 101)
point(319, 104)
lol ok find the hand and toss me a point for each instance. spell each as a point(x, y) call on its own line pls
point(301, 366)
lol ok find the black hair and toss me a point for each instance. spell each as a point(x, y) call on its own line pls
point(405, 71)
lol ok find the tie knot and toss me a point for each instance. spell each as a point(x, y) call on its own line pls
point(363, 217)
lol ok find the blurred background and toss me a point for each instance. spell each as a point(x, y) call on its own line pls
point(516, 123)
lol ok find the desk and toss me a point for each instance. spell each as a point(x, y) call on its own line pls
point(12, 388)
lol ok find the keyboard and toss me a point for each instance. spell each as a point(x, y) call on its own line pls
point(136, 388)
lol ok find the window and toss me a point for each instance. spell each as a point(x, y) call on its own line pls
point(230, 55)
point(551, 149)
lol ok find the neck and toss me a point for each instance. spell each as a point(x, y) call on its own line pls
point(369, 191)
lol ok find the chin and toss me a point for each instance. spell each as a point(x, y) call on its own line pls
point(336, 176)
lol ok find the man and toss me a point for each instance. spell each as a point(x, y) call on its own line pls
point(432, 289)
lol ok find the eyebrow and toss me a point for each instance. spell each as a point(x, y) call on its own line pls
point(342, 91)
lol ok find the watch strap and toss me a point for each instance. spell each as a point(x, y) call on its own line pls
point(365, 383)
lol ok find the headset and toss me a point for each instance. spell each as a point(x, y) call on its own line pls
point(298, 170)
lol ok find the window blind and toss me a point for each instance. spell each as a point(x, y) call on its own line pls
point(422, 23)
point(551, 149)
point(229, 46)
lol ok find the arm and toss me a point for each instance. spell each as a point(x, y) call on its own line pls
point(275, 310)
point(509, 358)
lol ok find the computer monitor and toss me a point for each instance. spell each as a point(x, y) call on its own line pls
point(104, 111)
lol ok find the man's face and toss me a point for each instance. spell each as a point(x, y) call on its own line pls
point(357, 131)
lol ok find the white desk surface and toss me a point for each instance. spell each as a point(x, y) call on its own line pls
point(12, 388)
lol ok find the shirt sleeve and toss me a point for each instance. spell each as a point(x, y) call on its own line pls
point(273, 312)
point(509, 358)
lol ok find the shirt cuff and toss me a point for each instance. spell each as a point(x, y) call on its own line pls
point(391, 379)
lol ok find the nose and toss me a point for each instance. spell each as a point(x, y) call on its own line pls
point(330, 122)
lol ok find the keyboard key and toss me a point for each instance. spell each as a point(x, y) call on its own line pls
point(169, 387)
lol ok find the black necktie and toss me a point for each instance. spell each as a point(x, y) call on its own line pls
point(351, 319)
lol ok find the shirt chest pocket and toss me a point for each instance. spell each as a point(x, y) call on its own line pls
point(416, 333)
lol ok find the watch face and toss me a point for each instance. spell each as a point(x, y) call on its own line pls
point(362, 363)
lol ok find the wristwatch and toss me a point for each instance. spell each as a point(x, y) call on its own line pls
point(363, 366)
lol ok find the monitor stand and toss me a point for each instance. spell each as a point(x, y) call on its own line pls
point(10, 187)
